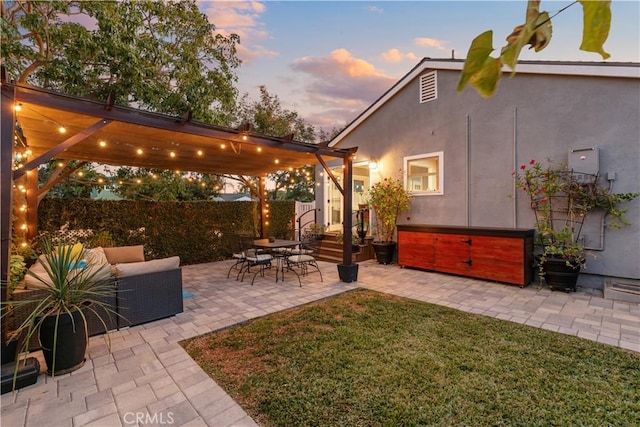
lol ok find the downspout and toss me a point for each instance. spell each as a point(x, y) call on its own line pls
point(515, 167)
point(468, 168)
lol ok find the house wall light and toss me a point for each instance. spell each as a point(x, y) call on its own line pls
point(373, 164)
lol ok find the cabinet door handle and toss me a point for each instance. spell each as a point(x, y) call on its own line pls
point(467, 262)
point(468, 242)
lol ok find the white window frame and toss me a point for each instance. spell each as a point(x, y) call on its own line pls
point(440, 156)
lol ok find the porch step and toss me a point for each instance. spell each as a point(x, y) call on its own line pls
point(331, 251)
point(620, 291)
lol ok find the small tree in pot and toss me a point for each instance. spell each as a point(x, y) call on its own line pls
point(70, 291)
point(387, 198)
point(561, 200)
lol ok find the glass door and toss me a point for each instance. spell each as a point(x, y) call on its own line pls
point(361, 184)
point(334, 200)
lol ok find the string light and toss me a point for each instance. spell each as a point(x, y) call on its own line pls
point(139, 151)
point(17, 107)
point(62, 129)
point(172, 154)
point(200, 153)
point(102, 144)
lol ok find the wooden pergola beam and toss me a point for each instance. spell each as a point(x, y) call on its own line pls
point(65, 145)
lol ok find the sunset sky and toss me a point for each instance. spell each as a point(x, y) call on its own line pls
point(329, 60)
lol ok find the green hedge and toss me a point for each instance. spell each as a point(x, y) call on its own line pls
point(198, 232)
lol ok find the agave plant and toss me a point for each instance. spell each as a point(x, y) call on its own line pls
point(68, 288)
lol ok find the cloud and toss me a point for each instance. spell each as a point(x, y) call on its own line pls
point(429, 42)
point(392, 55)
point(241, 18)
point(395, 55)
point(375, 9)
point(340, 83)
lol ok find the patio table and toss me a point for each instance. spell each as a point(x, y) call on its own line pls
point(273, 246)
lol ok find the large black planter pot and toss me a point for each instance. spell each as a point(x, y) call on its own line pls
point(71, 343)
point(9, 351)
point(348, 273)
point(384, 252)
point(560, 276)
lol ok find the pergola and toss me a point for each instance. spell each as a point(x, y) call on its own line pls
point(102, 132)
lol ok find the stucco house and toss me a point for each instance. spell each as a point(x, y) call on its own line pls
point(457, 151)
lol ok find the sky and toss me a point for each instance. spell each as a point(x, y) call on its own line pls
point(330, 60)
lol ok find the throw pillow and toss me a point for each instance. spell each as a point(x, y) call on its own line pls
point(122, 254)
point(96, 256)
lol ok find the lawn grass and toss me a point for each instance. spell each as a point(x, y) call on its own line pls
point(369, 359)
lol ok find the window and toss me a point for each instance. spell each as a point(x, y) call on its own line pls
point(428, 87)
point(424, 174)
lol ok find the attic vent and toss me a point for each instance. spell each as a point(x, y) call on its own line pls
point(428, 87)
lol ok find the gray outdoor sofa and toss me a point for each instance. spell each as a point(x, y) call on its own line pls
point(143, 291)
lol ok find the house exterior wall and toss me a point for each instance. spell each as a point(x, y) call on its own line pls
point(531, 116)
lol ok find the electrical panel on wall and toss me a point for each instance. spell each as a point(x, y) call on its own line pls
point(585, 163)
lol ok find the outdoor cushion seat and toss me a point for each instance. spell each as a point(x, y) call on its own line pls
point(256, 259)
point(303, 260)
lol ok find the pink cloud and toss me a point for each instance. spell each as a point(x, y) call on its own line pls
point(241, 18)
point(392, 55)
point(340, 85)
point(395, 55)
point(429, 42)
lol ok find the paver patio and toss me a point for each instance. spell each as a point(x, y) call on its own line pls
point(148, 379)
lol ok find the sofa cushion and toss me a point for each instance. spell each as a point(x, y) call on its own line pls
point(133, 268)
point(96, 256)
point(102, 272)
point(121, 254)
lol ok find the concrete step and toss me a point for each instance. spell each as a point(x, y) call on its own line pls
point(621, 291)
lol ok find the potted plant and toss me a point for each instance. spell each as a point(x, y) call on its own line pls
point(361, 225)
point(387, 198)
point(355, 241)
point(561, 200)
point(316, 231)
point(70, 292)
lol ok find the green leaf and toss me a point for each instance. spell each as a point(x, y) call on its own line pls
point(479, 51)
point(596, 24)
point(486, 80)
point(536, 32)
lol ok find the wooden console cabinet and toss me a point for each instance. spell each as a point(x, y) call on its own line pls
point(500, 254)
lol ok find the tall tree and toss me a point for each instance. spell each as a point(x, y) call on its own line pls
point(162, 56)
point(155, 184)
point(268, 117)
point(159, 55)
